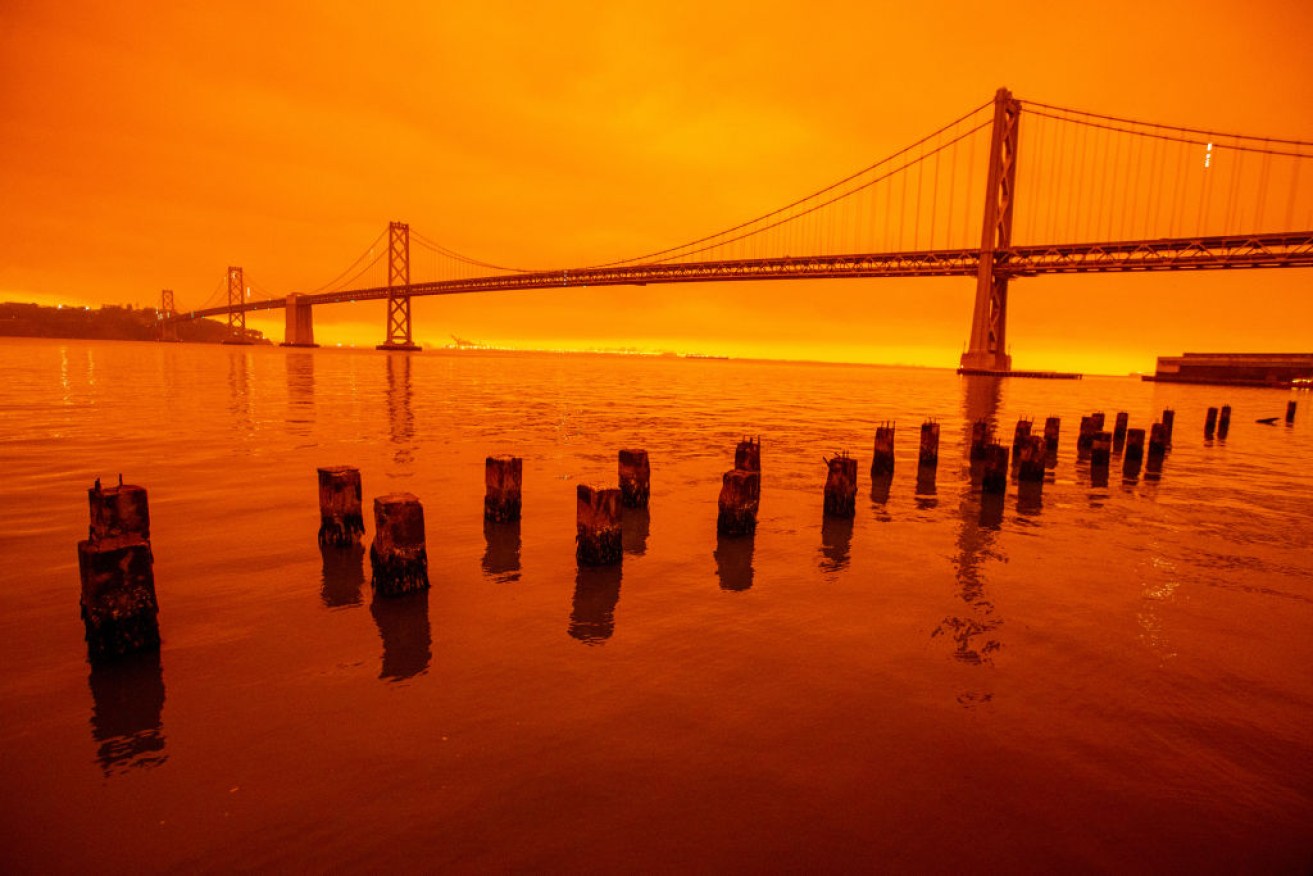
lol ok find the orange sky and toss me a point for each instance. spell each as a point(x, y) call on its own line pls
point(149, 146)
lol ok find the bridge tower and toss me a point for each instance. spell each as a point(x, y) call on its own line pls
point(236, 310)
point(987, 349)
point(398, 327)
point(168, 313)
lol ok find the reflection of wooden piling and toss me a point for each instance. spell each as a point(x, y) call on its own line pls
point(994, 478)
point(118, 605)
point(1169, 425)
point(1210, 423)
point(979, 439)
point(1290, 412)
point(1119, 431)
point(929, 455)
point(1020, 438)
point(398, 554)
point(1224, 422)
point(740, 495)
point(503, 478)
point(1030, 460)
point(1100, 449)
point(599, 537)
point(635, 478)
point(882, 457)
point(1134, 454)
point(1085, 440)
point(747, 456)
point(341, 521)
point(841, 486)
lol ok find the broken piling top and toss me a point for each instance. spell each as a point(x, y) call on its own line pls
point(1022, 434)
point(398, 522)
point(841, 486)
point(1119, 429)
point(1158, 439)
point(979, 439)
point(1224, 422)
point(1210, 422)
point(747, 456)
point(882, 454)
point(341, 520)
point(740, 496)
point(1030, 459)
point(1290, 412)
point(1169, 423)
point(635, 478)
point(929, 452)
point(597, 525)
point(1098, 418)
point(1052, 426)
point(503, 477)
point(994, 478)
point(120, 512)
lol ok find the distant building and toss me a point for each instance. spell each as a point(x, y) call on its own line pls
point(1236, 369)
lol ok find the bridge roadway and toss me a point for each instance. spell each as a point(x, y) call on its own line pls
point(1200, 253)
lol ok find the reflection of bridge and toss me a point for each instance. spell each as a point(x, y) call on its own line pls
point(1158, 197)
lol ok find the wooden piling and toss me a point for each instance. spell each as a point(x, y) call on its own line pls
point(1020, 438)
point(1100, 449)
point(841, 486)
point(882, 457)
point(1210, 423)
point(1085, 440)
point(1157, 441)
point(740, 495)
point(1224, 422)
point(1169, 424)
point(979, 439)
point(994, 479)
point(747, 456)
point(599, 539)
point(635, 478)
point(1119, 431)
point(398, 554)
point(1134, 454)
point(1030, 464)
point(1097, 417)
point(1290, 413)
point(929, 455)
point(341, 521)
point(503, 479)
point(118, 605)
point(1052, 426)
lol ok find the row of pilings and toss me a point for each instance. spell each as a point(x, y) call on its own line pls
point(118, 603)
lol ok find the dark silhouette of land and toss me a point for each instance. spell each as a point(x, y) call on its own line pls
point(110, 322)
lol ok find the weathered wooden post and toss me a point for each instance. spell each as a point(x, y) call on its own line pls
point(1085, 440)
point(928, 458)
point(1290, 413)
point(740, 495)
point(1052, 426)
point(1030, 466)
point(1119, 431)
point(1100, 449)
point(341, 521)
point(994, 479)
point(398, 554)
point(503, 478)
point(841, 486)
point(1210, 423)
point(1019, 438)
point(1224, 422)
point(1097, 417)
point(1134, 455)
point(747, 456)
point(115, 563)
point(979, 439)
point(1169, 424)
point(635, 478)
point(1157, 442)
point(599, 539)
point(882, 457)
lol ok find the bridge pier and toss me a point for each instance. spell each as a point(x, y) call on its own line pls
point(300, 326)
point(398, 324)
point(168, 317)
point(987, 349)
point(236, 311)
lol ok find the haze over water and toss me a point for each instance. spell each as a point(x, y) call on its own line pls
point(1116, 678)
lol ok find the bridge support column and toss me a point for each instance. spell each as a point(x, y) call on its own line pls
point(398, 326)
point(987, 349)
point(168, 316)
point(236, 308)
point(300, 330)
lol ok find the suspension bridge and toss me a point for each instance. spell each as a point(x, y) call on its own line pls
point(1101, 194)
